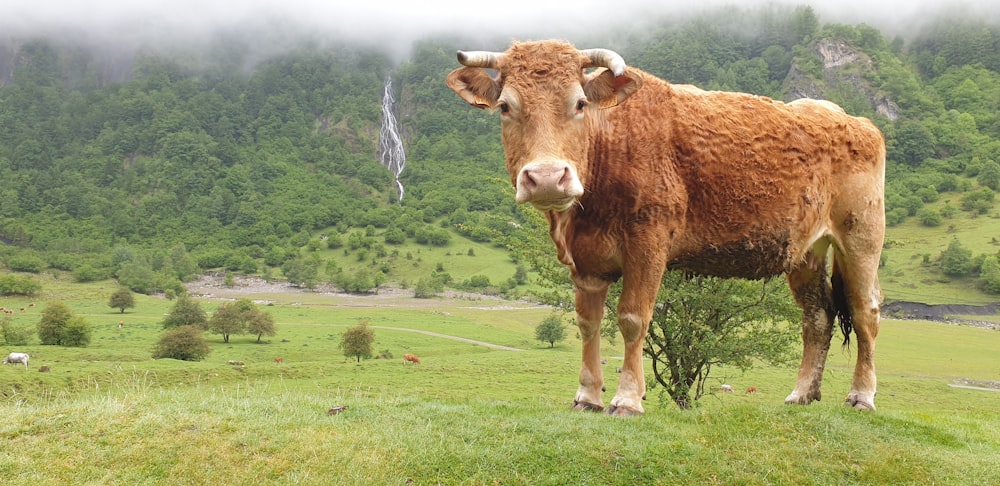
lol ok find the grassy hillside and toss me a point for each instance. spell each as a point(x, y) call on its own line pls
point(470, 414)
point(912, 271)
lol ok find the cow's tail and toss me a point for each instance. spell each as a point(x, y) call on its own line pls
point(841, 305)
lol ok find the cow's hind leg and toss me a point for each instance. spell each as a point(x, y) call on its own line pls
point(590, 297)
point(812, 291)
point(858, 298)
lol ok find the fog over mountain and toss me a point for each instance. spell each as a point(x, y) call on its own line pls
point(395, 24)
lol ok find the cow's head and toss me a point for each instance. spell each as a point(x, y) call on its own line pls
point(547, 103)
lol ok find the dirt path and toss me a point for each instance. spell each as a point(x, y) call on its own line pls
point(456, 338)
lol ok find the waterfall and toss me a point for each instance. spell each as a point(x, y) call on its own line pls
point(390, 146)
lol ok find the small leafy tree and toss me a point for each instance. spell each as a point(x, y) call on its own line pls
point(701, 322)
point(185, 343)
point(551, 330)
point(185, 312)
point(241, 317)
point(229, 318)
point(121, 299)
point(261, 324)
point(55, 317)
point(357, 341)
point(58, 326)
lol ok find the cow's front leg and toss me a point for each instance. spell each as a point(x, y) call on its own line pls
point(590, 297)
point(635, 311)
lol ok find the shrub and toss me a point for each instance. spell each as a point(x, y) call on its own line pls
point(13, 335)
point(930, 218)
point(60, 327)
point(18, 285)
point(185, 343)
point(185, 312)
point(26, 262)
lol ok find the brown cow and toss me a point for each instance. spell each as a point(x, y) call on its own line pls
point(636, 175)
point(412, 358)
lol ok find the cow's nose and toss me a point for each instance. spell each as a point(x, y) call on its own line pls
point(548, 183)
point(546, 180)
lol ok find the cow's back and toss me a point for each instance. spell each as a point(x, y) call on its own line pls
point(747, 179)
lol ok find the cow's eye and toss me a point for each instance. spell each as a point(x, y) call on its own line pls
point(581, 104)
point(504, 107)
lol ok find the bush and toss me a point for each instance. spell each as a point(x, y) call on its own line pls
point(185, 312)
point(13, 335)
point(18, 285)
point(26, 262)
point(930, 218)
point(185, 343)
point(60, 327)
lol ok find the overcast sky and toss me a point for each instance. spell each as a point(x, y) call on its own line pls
point(396, 23)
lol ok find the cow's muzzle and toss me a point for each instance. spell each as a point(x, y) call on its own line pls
point(548, 186)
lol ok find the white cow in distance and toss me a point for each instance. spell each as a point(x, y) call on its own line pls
point(14, 358)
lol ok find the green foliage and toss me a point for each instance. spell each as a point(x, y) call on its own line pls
point(12, 334)
point(121, 299)
point(185, 312)
point(701, 322)
point(551, 330)
point(27, 261)
point(356, 342)
point(11, 284)
point(186, 343)
point(956, 260)
point(241, 317)
point(428, 287)
point(58, 326)
point(77, 333)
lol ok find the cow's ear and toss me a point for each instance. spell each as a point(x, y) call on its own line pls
point(475, 86)
point(607, 90)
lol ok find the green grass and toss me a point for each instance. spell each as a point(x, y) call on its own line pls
point(108, 414)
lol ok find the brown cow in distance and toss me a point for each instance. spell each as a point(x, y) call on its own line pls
point(636, 175)
point(412, 358)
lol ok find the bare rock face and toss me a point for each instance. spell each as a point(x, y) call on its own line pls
point(843, 68)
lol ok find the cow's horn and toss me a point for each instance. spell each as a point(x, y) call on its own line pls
point(606, 58)
point(483, 59)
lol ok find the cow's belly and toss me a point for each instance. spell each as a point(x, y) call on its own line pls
point(752, 257)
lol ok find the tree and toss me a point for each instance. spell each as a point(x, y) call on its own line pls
point(185, 312)
point(357, 341)
point(184, 342)
point(60, 327)
point(55, 317)
point(241, 317)
point(260, 323)
point(956, 260)
point(551, 330)
point(121, 299)
point(701, 322)
point(228, 319)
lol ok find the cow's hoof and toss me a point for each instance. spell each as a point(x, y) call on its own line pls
point(859, 403)
point(623, 411)
point(587, 407)
point(802, 399)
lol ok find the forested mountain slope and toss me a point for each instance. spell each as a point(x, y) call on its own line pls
point(155, 164)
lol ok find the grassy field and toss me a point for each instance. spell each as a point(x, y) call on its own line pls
point(108, 414)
